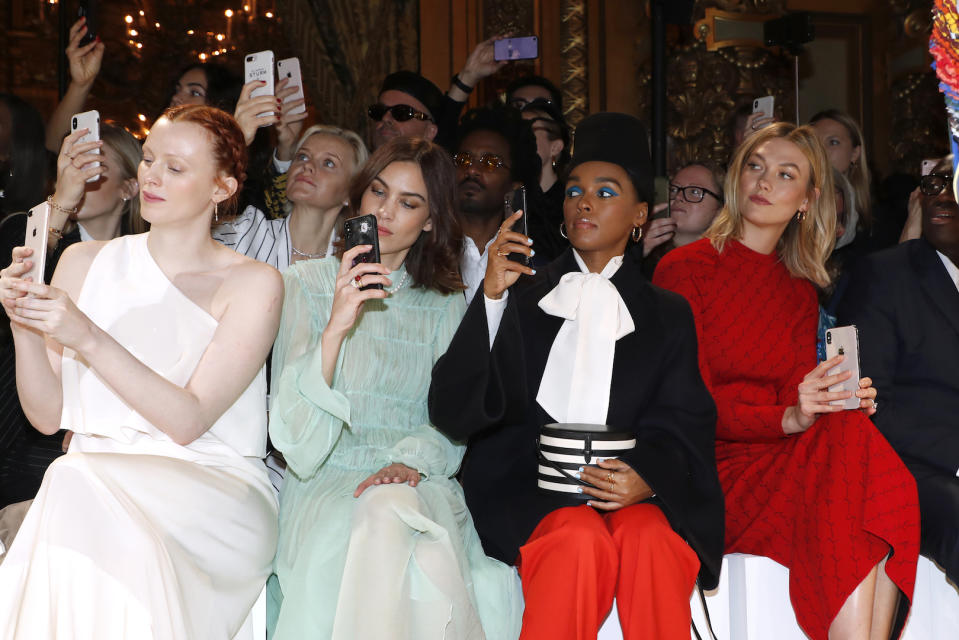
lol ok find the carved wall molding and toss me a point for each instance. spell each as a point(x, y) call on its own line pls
point(575, 79)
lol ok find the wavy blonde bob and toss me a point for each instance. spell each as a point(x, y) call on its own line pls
point(807, 240)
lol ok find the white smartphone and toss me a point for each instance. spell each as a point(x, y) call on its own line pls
point(844, 341)
point(259, 66)
point(87, 120)
point(290, 69)
point(928, 165)
point(764, 105)
point(38, 221)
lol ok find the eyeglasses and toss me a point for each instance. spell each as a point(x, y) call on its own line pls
point(488, 162)
point(520, 103)
point(932, 184)
point(400, 112)
point(692, 194)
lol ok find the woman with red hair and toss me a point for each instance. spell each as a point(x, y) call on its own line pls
point(160, 521)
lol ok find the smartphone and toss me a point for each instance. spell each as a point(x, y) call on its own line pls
point(38, 221)
point(259, 66)
point(516, 48)
point(928, 165)
point(514, 202)
point(661, 190)
point(87, 120)
point(290, 69)
point(89, 9)
point(363, 230)
point(764, 105)
point(845, 341)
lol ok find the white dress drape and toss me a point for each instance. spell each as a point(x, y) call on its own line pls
point(131, 535)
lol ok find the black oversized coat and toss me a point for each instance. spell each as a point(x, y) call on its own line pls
point(489, 398)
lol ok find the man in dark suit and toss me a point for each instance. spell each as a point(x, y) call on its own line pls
point(905, 303)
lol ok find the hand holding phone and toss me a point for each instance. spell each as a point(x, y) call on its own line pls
point(844, 341)
point(363, 230)
point(764, 105)
point(89, 9)
point(259, 66)
point(87, 120)
point(289, 69)
point(526, 48)
point(516, 201)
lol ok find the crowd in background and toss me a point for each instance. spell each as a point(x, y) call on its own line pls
point(142, 496)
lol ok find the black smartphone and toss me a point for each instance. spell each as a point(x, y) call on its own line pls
point(363, 230)
point(661, 189)
point(88, 9)
point(516, 201)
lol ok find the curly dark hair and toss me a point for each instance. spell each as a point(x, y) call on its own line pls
point(433, 260)
point(508, 122)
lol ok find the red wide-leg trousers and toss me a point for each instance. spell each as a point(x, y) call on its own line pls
point(578, 559)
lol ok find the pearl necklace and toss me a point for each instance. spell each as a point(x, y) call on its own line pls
point(310, 256)
point(400, 285)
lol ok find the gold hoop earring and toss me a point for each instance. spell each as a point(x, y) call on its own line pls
point(636, 234)
point(216, 217)
point(562, 230)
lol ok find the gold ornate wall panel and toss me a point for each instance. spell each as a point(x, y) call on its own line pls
point(574, 81)
point(346, 48)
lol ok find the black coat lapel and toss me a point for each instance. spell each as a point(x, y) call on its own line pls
point(935, 281)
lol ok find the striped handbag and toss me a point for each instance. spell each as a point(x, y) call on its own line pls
point(565, 447)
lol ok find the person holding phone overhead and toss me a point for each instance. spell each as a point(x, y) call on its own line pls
point(375, 537)
point(160, 521)
point(807, 484)
point(654, 517)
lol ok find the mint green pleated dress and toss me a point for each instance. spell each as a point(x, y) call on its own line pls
point(397, 562)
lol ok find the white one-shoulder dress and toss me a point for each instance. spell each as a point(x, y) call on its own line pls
point(131, 535)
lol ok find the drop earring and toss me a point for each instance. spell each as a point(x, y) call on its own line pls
point(216, 217)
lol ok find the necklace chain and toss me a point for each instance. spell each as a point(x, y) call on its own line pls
point(303, 254)
point(401, 284)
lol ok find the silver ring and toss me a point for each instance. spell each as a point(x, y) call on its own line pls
point(875, 405)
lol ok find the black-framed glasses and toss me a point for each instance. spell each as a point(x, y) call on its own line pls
point(400, 112)
point(488, 162)
point(692, 194)
point(932, 184)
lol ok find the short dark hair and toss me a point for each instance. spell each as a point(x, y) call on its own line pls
point(433, 260)
point(535, 81)
point(508, 122)
point(30, 165)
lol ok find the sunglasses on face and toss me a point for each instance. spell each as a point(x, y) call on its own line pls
point(488, 162)
point(933, 184)
point(691, 194)
point(400, 112)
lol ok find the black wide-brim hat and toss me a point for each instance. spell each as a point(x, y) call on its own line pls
point(620, 139)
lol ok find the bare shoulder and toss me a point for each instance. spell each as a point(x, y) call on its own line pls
point(250, 279)
point(74, 264)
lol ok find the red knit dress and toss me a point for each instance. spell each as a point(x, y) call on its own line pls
point(828, 503)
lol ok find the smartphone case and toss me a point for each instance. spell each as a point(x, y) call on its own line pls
point(845, 341)
point(87, 120)
point(765, 105)
point(516, 48)
point(363, 230)
point(290, 69)
point(516, 201)
point(259, 66)
point(38, 221)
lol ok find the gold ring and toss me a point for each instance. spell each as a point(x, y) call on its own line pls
point(502, 254)
point(355, 282)
point(609, 477)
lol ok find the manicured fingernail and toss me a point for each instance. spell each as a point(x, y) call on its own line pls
point(579, 489)
point(577, 475)
point(531, 253)
point(529, 241)
point(582, 468)
point(534, 272)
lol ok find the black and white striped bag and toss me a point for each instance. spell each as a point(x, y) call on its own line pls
point(564, 448)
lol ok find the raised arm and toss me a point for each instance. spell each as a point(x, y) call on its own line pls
point(247, 306)
point(85, 64)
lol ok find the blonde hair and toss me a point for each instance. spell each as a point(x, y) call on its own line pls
point(129, 152)
point(806, 243)
point(360, 153)
point(859, 171)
